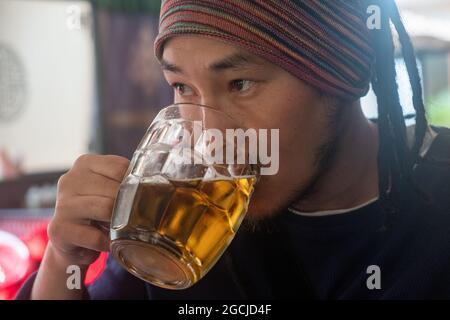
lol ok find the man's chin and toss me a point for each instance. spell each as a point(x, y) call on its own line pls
point(261, 209)
point(266, 204)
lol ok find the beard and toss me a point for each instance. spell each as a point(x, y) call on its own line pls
point(324, 156)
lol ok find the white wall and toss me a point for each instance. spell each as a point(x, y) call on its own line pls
point(59, 66)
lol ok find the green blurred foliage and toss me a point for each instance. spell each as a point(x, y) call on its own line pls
point(438, 110)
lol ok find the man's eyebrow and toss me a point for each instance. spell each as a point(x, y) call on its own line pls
point(168, 66)
point(233, 61)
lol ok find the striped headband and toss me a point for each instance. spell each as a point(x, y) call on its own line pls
point(324, 43)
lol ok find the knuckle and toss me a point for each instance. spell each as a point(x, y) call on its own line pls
point(53, 230)
point(62, 181)
point(82, 160)
point(61, 206)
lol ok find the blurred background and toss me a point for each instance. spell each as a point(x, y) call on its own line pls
point(80, 76)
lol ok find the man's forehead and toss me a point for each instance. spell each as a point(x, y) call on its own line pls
point(230, 58)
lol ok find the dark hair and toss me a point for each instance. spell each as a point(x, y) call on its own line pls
point(395, 160)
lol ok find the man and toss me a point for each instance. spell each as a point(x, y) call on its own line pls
point(345, 217)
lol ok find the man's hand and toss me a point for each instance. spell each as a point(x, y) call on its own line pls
point(86, 195)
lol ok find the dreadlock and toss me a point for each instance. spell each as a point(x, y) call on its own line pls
point(395, 160)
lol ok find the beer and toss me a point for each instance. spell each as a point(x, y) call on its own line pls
point(192, 221)
point(180, 203)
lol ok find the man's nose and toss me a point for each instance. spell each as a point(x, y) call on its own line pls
point(213, 101)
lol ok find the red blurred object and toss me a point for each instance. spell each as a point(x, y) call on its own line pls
point(36, 241)
point(96, 269)
point(14, 260)
point(22, 247)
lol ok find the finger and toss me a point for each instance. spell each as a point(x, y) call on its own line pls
point(76, 183)
point(86, 207)
point(84, 236)
point(110, 166)
point(102, 226)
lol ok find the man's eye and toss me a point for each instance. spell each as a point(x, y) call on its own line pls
point(182, 89)
point(241, 85)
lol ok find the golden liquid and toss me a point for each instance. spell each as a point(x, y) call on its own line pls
point(199, 217)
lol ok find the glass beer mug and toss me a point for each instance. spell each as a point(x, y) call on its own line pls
point(177, 209)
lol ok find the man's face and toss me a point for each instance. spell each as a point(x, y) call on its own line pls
point(259, 95)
